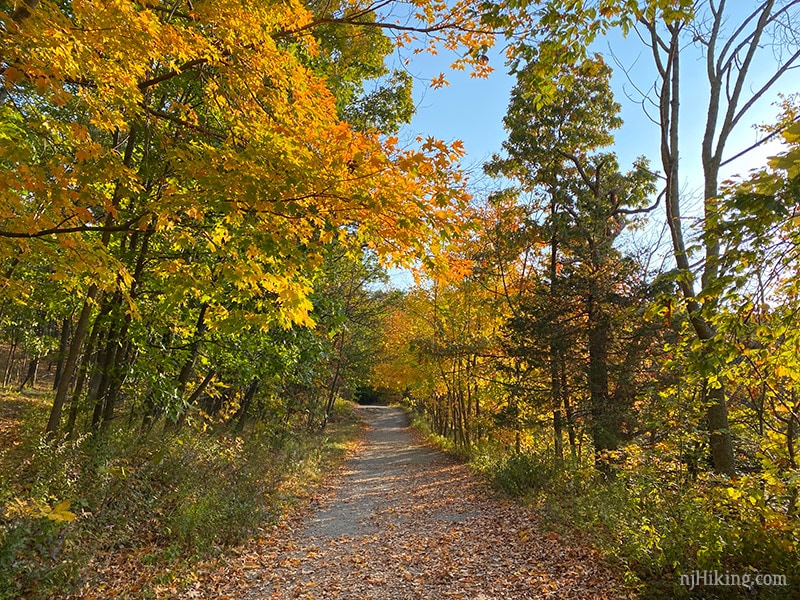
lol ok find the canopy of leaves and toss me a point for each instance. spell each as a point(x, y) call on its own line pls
point(206, 127)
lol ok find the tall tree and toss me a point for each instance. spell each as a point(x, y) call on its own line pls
point(733, 41)
point(171, 148)
point(552, 153)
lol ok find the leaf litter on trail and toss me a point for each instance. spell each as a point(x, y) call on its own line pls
point(417, 528)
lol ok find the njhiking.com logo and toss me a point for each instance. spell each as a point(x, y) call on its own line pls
point(717, 578)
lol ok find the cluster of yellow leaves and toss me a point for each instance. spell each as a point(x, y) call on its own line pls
point(59, 513)
point(253, 164)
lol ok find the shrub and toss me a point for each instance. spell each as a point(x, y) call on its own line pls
point(169, 499)
point(657, 523)
point(520, 474)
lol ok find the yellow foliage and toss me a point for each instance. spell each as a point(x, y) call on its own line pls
point(204, 127)
point(59, 513)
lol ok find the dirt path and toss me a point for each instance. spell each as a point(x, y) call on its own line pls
point(404, 521)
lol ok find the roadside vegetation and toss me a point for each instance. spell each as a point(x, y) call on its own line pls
point(652, 520)
point(658, 523)
point(640, 387)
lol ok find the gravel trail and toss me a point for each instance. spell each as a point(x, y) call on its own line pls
point(404, 521)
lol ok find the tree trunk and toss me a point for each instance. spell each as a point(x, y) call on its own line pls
point(33, 370)
point(80, 381)
point(62, 350)
point(71, 362)
point(573, 447)
point(721, 443)
point(120, 363)
point(333, 389)
point(76, 345)
point(605, 420)
point(188, 366)
point(555, 381)
point(245, 406)
point(720, 440)
point(103, 369)
point(10, 361)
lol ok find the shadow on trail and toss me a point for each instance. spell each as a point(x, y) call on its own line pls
point(405, 522)
point(378, 474)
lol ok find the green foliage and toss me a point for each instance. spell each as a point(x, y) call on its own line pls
point(655, 522)
point(32, 557)
point(172, 497)
point(385, 108)
point(524, 475)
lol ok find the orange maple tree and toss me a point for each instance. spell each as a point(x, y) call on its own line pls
point(195, 144)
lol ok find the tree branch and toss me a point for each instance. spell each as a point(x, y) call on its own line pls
point(444, 26)
point(639, 211)
point(577, 162)
point(183, 122)
point(755, 97)
point(172, 73)
point(759, 142)
point(58, 230)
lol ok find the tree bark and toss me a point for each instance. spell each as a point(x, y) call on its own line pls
point(573, 447)
point(556, 399)
point(9, 362)
point(245, 407)
point(62, 350)
point(333, 388)
point(80, 381)
point(605, 420)
point(33, 370)
point(188, 366)
point(71, 362)
point(721, 443)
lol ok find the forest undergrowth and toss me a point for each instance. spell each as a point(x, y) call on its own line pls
point(653, 520)
point(140, 511)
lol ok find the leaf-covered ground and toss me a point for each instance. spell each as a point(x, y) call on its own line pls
point(403, 521)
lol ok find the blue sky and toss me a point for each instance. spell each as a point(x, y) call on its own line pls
point(472, 110)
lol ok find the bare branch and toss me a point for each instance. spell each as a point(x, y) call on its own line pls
point(742, 27)
point(763, 140)
point(789, 64)
point(747, 39)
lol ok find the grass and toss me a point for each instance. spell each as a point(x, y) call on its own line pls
point(146, 510)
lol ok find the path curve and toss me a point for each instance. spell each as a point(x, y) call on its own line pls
point(404, 521)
